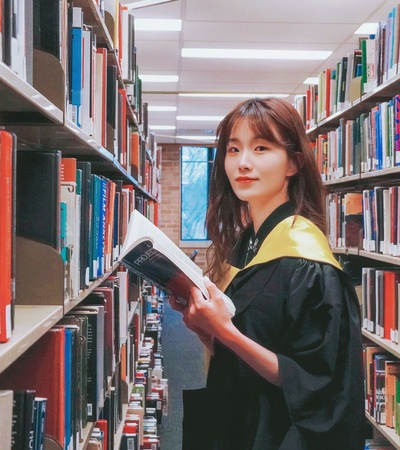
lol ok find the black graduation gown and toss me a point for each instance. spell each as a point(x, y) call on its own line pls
point(306, 312)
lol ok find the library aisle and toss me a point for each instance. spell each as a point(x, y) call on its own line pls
point(183, 358)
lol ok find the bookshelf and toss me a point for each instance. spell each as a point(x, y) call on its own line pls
point(370, 170)
point(35, 107)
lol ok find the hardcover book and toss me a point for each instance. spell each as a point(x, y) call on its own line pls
point(42, 369)
point(38, 196)
point(148, 252)
point(8, 151)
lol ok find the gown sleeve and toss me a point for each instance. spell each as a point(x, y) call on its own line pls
point(321, 360)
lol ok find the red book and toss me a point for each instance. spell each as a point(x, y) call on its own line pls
point(391, 279)
point(135, 154)
point(7, 232)
point(42, 368)
point(328, 75)
point(103, 110)
point(103, 426)
point(123, 129)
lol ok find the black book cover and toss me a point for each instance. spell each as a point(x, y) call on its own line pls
point(112, 77)
point(47, 29)
point(29, 418)
point(95, 359)
point(81, 369)
point(6, 26)
point(38, 196)
point(17, 435)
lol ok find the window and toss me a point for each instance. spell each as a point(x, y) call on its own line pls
point(196, 166)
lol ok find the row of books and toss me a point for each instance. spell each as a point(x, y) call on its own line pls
point(98, 101)
point(26, 27)
point(345, 219)
point(81, 365)
point(382, 379)
point(367, 143)
point(23, 419)
point(367, 220)
point(375, 61)
point(60, 202)
point(386, 48)
point(95, 85)
point(337, 87)
point(380, 302)
point(381, 220)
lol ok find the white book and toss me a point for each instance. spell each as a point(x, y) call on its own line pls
point(6, 418)
point(151, 254)
point(86, 117)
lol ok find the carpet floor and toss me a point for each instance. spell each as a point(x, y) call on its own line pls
point(183, 359)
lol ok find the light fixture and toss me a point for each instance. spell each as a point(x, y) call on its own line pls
point(367, 28)
point(159, 78)
point(311, 80)
point(161, 108)
point(158, 24)
point(200, 118)
point(231, 53)
point(145, 3)
point(196, 138)
point(162, 127)
point(230, 94)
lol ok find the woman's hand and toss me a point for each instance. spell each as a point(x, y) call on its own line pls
point(205, 338)
point(209, 315)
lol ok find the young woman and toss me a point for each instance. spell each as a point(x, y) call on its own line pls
point(286, 371)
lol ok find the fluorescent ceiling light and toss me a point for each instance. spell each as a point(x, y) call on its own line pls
point(159, 78)
point(144, 3)
point(367, 28)
point(230, 95)
point(231, 53)
point(311, 80)
point(161, 108)
point(211, 118)
point(196, 138)
point(162, 127)
point(158, 24)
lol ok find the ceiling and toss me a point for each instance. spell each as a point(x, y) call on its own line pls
point(246, 24)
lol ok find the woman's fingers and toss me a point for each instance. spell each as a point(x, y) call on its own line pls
point(175, 305)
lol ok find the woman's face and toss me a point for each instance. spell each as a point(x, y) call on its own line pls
point(257, 169)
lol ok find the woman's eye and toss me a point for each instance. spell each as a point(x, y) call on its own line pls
point(232, 150)
point(261, 148)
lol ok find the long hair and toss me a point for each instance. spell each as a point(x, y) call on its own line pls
point(278, 122)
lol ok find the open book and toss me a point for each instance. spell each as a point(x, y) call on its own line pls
point(150, 253)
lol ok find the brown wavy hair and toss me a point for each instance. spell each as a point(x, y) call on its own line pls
point(227, 216)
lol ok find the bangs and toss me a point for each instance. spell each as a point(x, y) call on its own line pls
point(258, 119)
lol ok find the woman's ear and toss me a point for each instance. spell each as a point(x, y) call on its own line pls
point(295, 164)
point(292, 169)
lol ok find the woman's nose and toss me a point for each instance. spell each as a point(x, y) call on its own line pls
point(244, 162)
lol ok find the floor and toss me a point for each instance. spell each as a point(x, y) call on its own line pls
point(183, 359)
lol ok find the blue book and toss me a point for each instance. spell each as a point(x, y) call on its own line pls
point(63, 232)
point(102, 225)
point(95, 226)
point(40, 421)
point(68, 385)
point(76, 65)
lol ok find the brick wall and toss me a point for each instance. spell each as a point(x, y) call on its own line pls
point(169, 220)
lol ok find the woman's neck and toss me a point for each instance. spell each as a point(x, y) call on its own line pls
point(259, 213)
